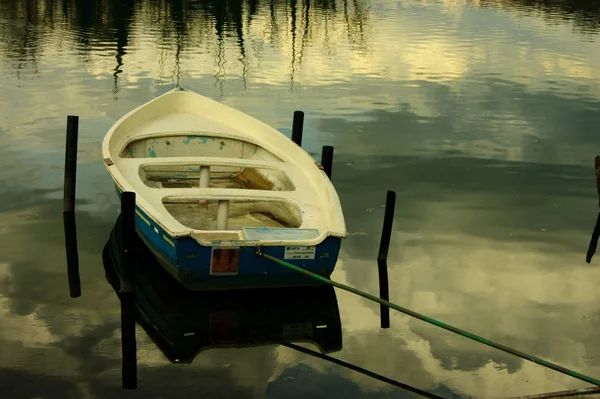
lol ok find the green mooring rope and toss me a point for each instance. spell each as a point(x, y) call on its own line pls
point(437, 323)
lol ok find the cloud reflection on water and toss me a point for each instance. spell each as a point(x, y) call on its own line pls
point(481, 119)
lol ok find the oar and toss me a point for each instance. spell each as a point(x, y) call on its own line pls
point(596, 233)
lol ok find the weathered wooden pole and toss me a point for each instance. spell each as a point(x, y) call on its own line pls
point(327, 159)
point(127, 292)
point(69, 206)
point(297, 127)
point(384, 245)
point(596, 233)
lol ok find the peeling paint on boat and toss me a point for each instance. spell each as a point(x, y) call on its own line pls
point(202, 139)
point(151, 149)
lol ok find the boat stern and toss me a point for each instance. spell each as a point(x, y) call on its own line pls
point(231, 264)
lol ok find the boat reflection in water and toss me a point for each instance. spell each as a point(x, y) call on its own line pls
point(183, 323)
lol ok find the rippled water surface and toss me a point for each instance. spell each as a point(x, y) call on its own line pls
point(483, 117)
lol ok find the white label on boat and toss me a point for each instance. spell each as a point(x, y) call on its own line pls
point(299, 253)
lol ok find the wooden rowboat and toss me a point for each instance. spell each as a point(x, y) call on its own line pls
point(212, 184)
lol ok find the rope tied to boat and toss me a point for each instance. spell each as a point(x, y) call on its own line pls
point(259, 251)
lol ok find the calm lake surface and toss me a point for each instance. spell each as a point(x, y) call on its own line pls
point(483, 116)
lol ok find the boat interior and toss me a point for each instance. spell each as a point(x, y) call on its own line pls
point(201, 178)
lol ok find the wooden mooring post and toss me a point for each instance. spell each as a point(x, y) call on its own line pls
point(70, 228)
point(327, 159)
point(297, 127)
point(384, 245)
point(127, 292)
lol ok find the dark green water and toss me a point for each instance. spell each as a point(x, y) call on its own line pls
point(484, 117)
